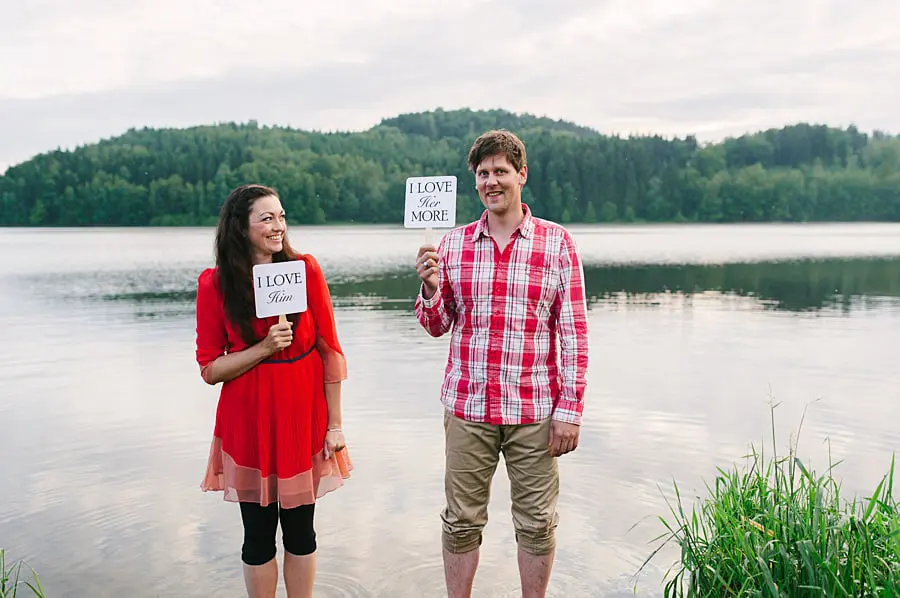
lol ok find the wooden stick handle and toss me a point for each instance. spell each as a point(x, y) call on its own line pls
point(282, 319)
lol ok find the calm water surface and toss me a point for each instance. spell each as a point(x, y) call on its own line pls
point(105, 424)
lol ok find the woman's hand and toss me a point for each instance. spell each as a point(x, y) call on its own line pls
point(334, 442)
point(280, 337)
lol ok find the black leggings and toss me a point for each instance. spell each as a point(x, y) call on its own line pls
point(297, 531)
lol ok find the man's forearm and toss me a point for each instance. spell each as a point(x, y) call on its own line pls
point(432, 311)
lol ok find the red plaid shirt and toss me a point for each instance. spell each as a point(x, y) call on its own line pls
point(507, 311)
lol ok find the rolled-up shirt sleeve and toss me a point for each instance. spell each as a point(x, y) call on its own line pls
point(437, 314)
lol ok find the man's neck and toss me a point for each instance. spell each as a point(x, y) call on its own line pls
point(503, 225)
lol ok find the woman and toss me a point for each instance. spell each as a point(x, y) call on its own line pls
point(277, 444)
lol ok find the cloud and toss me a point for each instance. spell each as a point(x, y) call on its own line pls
point(636, 66)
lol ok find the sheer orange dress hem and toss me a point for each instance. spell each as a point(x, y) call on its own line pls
point(249, 485)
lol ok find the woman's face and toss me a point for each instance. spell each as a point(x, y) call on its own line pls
point(266, 229)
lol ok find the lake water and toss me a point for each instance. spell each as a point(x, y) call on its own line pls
point(105, 424)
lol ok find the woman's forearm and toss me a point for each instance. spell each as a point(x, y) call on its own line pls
point(333, 399)
point(230, 366)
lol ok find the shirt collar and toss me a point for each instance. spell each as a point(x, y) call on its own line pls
point(525, 228)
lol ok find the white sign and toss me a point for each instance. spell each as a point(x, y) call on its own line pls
point(430, 202)
point(280, 288)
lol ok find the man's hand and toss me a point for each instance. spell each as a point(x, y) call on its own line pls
point(426, 266)
point(563, 438)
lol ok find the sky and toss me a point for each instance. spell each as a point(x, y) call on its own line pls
point(73, 73)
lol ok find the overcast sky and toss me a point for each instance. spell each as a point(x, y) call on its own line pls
point(76, 72)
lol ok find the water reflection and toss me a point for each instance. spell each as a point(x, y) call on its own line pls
point(800, 285)
point(791, 285)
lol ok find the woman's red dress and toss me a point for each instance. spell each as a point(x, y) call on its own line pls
point(270, 423)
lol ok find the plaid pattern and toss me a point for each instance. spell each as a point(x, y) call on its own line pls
point(507, 312)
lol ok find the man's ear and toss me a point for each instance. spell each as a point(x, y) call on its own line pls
point(523, 174)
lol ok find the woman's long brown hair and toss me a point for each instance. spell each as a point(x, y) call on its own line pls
point(233, 257)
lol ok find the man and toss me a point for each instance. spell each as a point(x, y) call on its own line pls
point(509, 285)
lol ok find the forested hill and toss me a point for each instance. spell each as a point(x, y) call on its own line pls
point(181, 176)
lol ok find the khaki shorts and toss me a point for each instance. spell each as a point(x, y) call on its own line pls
point(472, 454)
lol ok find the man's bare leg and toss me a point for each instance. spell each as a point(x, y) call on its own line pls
point(534, 571)
point(459, 572)
point(534, 490)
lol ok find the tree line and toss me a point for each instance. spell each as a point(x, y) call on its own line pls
point(799, 173)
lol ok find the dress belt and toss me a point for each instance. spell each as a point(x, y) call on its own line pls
point(292, 359)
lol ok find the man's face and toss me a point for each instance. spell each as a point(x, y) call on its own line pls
point(499, 185)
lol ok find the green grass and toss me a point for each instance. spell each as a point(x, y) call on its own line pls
point(775, 528)
point(11, 581)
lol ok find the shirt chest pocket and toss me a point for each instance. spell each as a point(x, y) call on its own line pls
point(541, 287)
